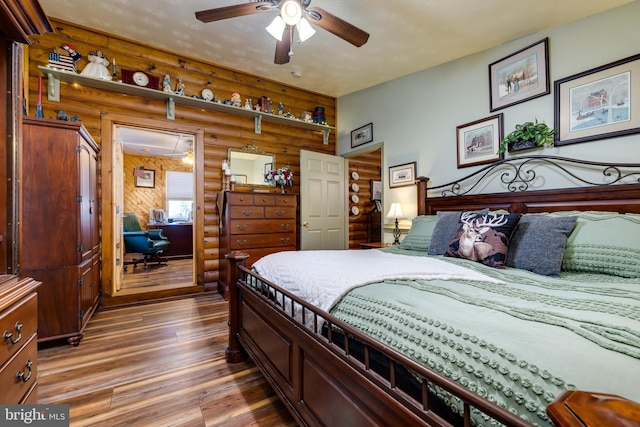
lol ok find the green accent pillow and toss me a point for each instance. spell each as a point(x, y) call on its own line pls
point(538, 243)
point(419, 235)
point(483, 238)
point(603, 242)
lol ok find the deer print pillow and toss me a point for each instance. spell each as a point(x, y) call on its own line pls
point(483, 238)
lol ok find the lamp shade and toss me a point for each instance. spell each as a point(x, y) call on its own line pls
point(395, 212)
point(304, 29)
point(276, 28)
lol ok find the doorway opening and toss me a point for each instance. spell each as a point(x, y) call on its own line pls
point(150, 171)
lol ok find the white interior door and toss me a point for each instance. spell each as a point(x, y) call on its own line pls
point(322, 201)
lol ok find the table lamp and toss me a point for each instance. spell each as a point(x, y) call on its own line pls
point(395, 212)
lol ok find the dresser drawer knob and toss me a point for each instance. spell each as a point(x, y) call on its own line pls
point(247, 213)
point(20, 376)
point(8, 336)
point(284, 226)
point(241, 243)
point(241, 227)
point(280, 213)
point(284, 239)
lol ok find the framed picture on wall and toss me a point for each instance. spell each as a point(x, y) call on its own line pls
point(519, 77)
point(402, 175)
point(376, 189)
point(362, 135)
point(478, 142)
point(147, 180)
point(603, 102)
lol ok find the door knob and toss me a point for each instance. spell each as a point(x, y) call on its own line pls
point(305, 224)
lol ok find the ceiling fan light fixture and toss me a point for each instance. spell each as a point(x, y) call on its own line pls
point(291, 12)
point(188, 159)
point(305, 30)
point(276, 28)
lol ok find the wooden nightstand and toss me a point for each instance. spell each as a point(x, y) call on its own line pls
point(373, 245)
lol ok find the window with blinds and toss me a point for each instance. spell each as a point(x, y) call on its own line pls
point(179, 196)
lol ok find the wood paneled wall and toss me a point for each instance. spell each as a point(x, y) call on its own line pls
point(140, 199)
point(368, 167)
point(222, 130)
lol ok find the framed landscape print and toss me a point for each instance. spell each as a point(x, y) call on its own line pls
point(603, 102)
point(519, 77)
point(478, 142)
point(362, 135)
point(147, 180)
point(402, 175)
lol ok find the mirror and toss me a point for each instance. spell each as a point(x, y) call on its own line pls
point(249, 165)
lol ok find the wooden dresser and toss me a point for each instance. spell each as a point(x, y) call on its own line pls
point(59, 232)
point(257, 224)
point(19, 352)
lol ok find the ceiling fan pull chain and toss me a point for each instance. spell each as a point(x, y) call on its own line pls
point(291, 42)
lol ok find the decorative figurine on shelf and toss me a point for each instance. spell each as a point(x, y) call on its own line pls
point(75, 55)
point(180, 87)
point(97, 66)
point(166, 84)
point(281, 177)
point(247, 104)
point(280, 108)
point(235, 99)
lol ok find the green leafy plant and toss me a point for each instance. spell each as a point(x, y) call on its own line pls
point(537, 132)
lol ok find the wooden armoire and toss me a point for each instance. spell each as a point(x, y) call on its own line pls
point(59, 229)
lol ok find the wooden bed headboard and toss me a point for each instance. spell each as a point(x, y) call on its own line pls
point(618, 191)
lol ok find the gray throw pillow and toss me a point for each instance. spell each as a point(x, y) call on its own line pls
point(445, 227)
point(419, 236)
point(538, 243)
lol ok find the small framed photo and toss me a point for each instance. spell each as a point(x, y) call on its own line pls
point(147, 180)
point(376, 189)
point(362, 135)
point(402, 175)
point(478, 142)
point(603, 102)
point(378, 205)
point(519, 77)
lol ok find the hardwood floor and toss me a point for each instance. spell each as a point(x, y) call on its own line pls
point(158, 364)
point(156, 282)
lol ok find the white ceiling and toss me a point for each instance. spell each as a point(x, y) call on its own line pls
point(143, 142)
point(406, 36)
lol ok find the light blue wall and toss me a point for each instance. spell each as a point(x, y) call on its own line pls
point(416, 116)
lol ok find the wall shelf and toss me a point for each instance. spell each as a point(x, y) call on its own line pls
point(55, 76)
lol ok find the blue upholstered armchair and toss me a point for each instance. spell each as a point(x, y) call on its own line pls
point(149, 243)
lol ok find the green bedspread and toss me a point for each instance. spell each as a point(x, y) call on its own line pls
point(519, 344)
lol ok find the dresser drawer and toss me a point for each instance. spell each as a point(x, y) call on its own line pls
point(264, 199)
point(279, 212)
point(238, 226)
point(23, 313)
point(246, 212)
point(286, 200)
point(234, 199)
point(12, 388)
point(242, 241)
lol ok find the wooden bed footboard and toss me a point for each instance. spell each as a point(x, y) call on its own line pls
point(319, 380)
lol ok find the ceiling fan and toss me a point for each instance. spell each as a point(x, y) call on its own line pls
point(293, 14)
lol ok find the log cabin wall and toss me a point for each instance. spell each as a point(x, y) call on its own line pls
point(222, 130)
point(139, 200)
point(362, 226)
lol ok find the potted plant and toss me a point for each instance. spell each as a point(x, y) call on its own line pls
point(528, 135)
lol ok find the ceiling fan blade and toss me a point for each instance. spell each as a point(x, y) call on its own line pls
point(220, 13)
point(337, 26)
point(283, 47)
